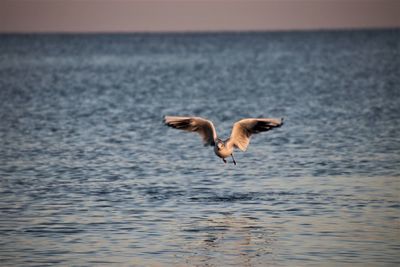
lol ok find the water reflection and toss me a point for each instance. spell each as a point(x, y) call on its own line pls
point(230, 240)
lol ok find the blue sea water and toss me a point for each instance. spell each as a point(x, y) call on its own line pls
point(90, 176)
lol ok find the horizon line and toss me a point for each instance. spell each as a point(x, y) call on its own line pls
point(328, 29)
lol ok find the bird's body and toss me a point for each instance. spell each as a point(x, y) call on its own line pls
point(240, 136)
point(224, 150)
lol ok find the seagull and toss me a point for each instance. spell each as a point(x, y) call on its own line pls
point(240, 136)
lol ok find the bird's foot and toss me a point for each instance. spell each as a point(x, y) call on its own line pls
point(234, 162)
point(224, 160)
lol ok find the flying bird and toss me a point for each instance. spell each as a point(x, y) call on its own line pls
point(240, 136)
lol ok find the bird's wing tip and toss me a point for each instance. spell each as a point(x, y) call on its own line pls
point(165, 119)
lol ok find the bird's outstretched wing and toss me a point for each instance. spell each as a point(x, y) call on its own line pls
point(243, 129)
point(202, 126)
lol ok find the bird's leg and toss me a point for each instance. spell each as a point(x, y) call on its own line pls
point(224, 160)
point(234, 162)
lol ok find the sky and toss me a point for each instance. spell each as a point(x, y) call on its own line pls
point(194, 15)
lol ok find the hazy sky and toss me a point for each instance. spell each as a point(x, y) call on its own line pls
point(194, 15)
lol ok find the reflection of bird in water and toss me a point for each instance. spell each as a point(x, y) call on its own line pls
point(231, 240)
point(240, 136)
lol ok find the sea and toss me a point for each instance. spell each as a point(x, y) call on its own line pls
point(90, 175)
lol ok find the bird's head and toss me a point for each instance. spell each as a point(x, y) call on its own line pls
point(220, 144)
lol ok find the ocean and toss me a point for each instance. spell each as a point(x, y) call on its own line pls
point(90, 176)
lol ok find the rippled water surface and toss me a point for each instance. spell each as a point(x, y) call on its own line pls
point(89, 175)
